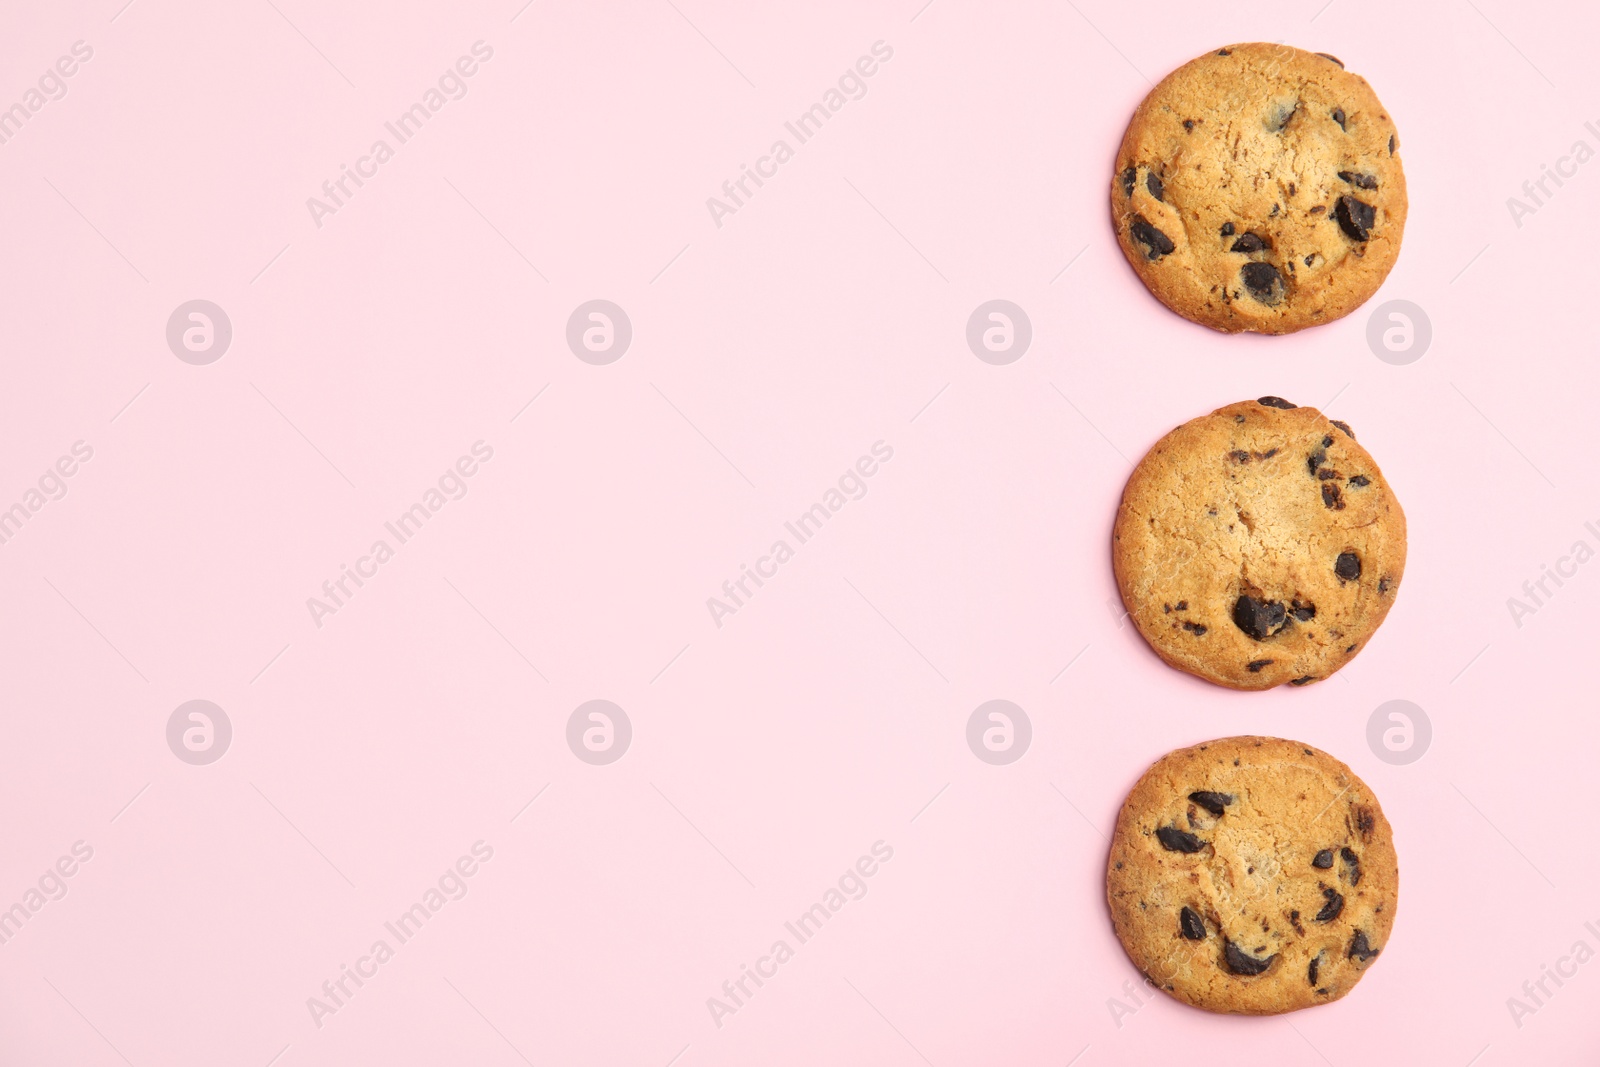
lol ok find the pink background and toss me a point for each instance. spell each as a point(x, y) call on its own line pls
point(768, 354)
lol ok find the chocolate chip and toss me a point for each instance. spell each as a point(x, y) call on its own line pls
point(1239, 457)
point(1331, 497)
point(1175, 840)
point(1157, 243)
point(1314, 460)
point(1351, 649)
point(1310, 258)
point(1311, 968)
point(1347, 566)
point(1355, 217)
point(1215, 803)
point(1268, 454)
point(1383, 585)
point(1323, 859)
point(1241, 963)
point(1360, 480)
point(1319, 209)
point(1294, 920)
point(1153, 183)
point(1335, 904)
point(1331, 59)
point(1263, 281)
point(1128, 177)
point(1276, 402)
point(1259, 618)
point(1255, 665)
point(1188, 125)
point(1227, 229)
point(1281, 115)
point(1345, 427)
point(1353, 862)
point(1190, 926)
point(1183, 605)
point(1306, 680)
point(1302, 610)
point(1393, 144)
point(1365, 823)
point(1327, 474)
point(1224, 52)
point(1338, 116)
point(1359, 180)
point(1360, 949)
point(1327, 442)
point(1250, 242)
point(1195, 628)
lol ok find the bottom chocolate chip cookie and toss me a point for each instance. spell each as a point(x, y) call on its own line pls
point(1252, 875)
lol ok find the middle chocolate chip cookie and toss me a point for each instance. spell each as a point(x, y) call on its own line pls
point(1258, 545)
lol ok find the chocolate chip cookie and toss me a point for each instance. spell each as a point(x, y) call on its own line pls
point(1252, 875)
point(1259, 188)
point(1258, 545)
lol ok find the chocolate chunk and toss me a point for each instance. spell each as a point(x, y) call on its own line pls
point(1353, 862)
point(1359, 180)
point(1215, 803)
point(1323, 860)
point(1315, 460)
point(1311, 968)
point(1355, 217)
point(1157, 243)
point(1190, 926)
point(1360, 949)
point(1259, 618)
point(1243, 964)
point(1334, 906)
point(1263, 281)
point(1153, 183)
point(1331, 498)
point(1128, 177)
point(1331, 59)
point(1276, 402)
point(1345, 428)
point(1195, 628)
point(1306, 680)
point(1347, 566)
point(1365, 823)
point(1255, 665)
point(1227, 229)
point(1250, 242)
point(1360, 480)
point(1188, 125)
point(1338, 116)
point(1302, 610)
point(1176, 840)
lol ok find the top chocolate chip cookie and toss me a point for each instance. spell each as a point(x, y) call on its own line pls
point(1259, 188)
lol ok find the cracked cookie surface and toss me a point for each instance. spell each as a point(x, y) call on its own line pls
point(1259, 188)
point(1252, 875)
point(1258, 545)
